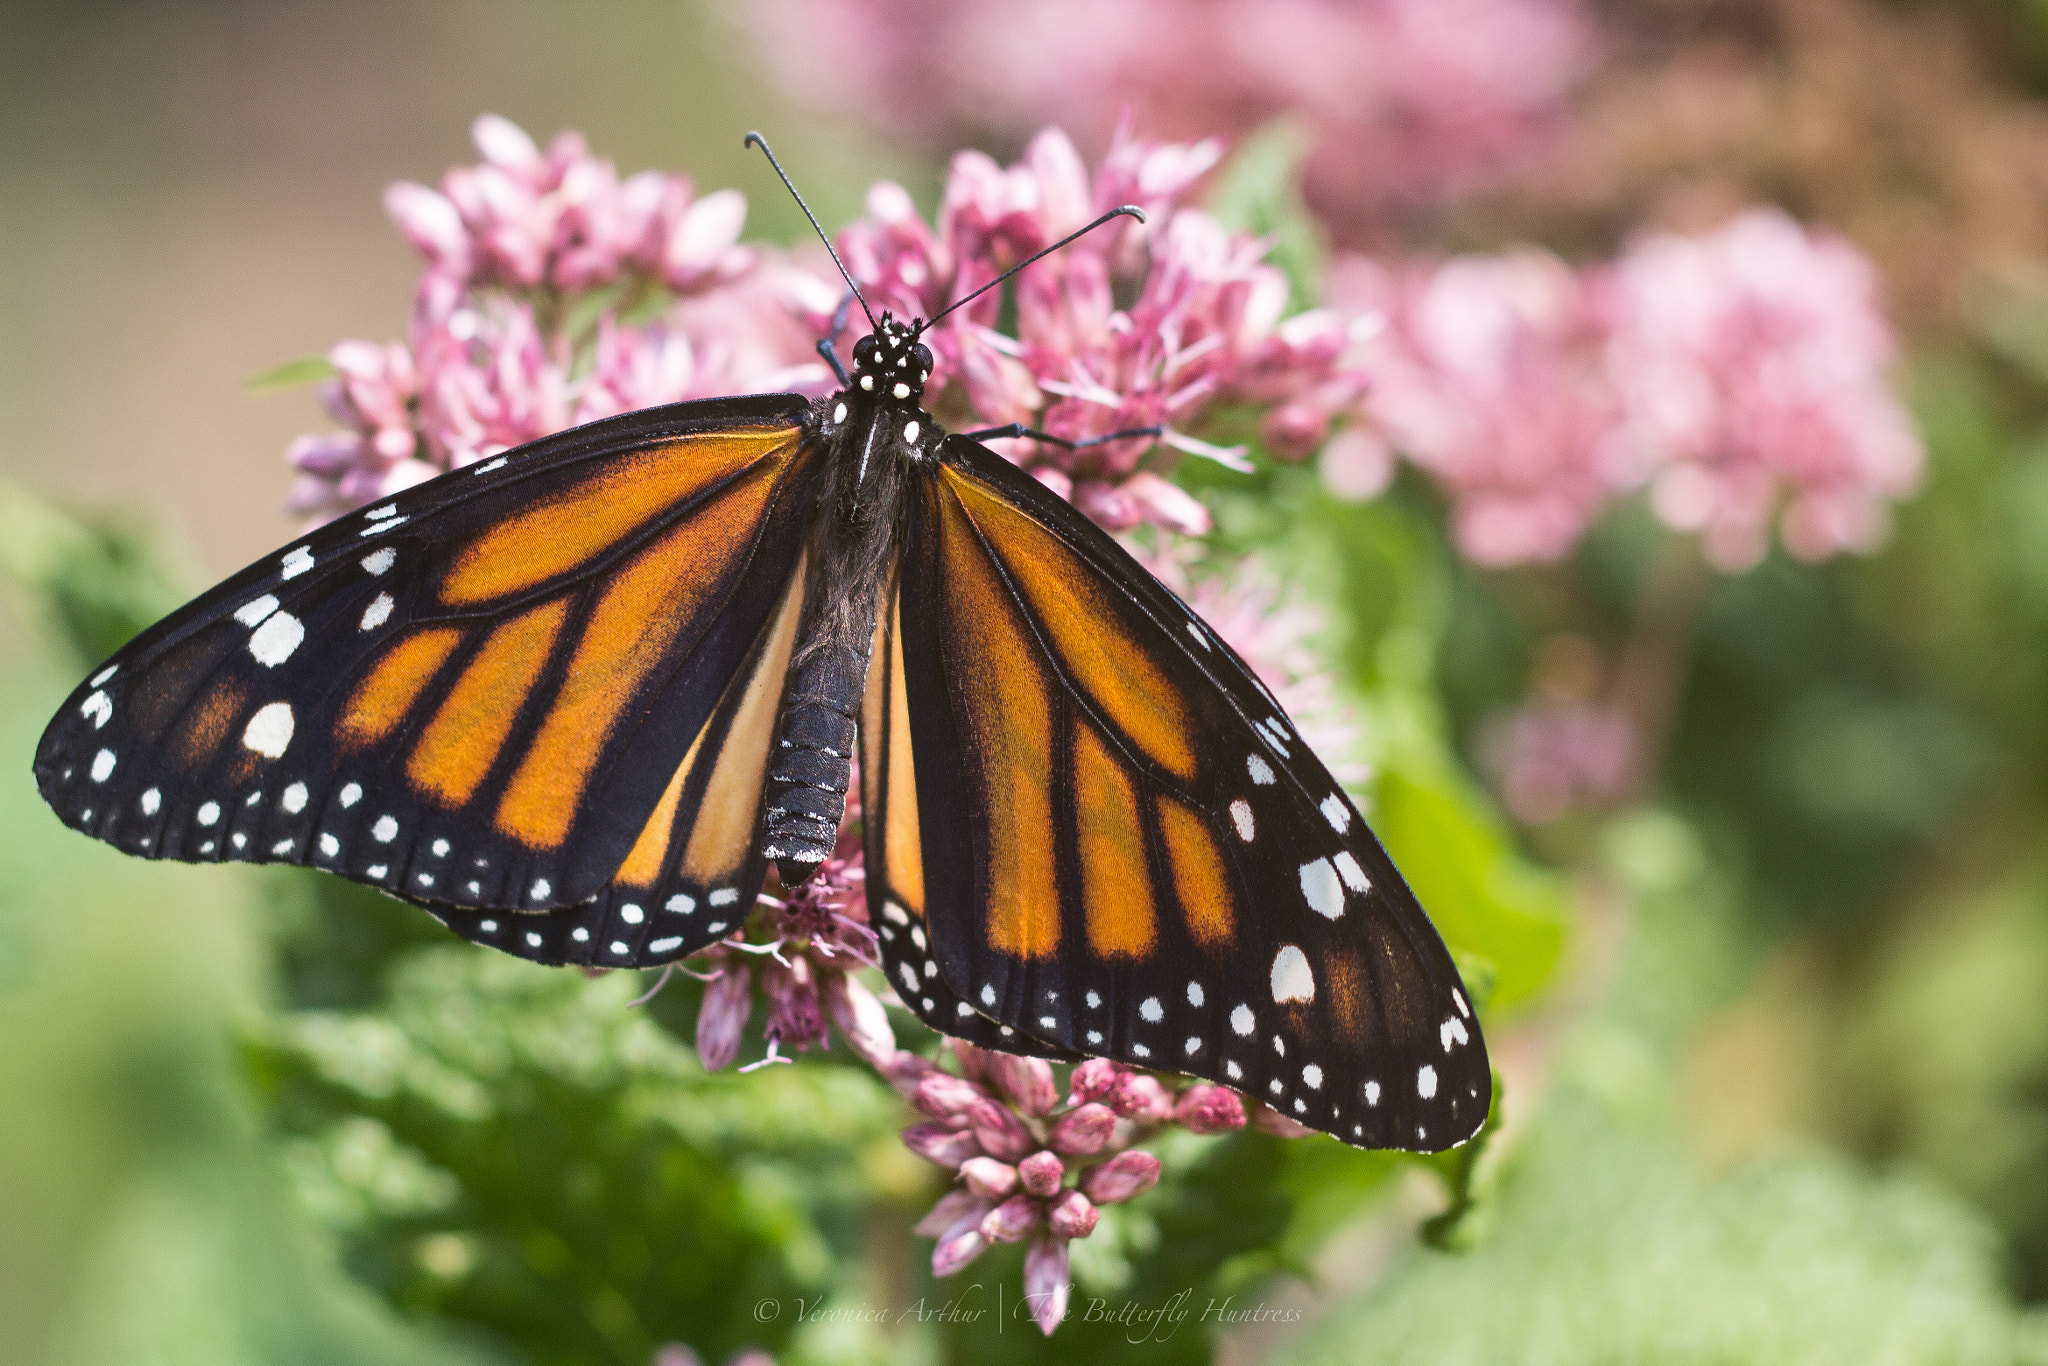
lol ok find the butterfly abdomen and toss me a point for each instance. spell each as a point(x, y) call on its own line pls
point(811, 764)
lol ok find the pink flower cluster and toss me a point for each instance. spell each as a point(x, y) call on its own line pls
point(505, 345)
point(1550, 758)
point(1408, 102)
point(1205, 324)
point(1741, 374)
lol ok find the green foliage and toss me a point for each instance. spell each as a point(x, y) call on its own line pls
point(293, 374)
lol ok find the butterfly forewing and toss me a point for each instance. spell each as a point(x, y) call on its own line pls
point(1128, 852)
point(476, 691)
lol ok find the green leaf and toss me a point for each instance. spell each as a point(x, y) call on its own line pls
point(292, 375)
point(88, 584)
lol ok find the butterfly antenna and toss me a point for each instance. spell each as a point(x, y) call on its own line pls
point(756, 140)
point(1122, 210)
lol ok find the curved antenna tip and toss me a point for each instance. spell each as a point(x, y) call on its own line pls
point(1131, 210)
point(753, 139)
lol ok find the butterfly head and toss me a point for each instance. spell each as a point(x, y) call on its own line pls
point(891, 363)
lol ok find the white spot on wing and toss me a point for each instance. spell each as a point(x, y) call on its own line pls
point(489, 465)
point(151, 800)
point(273, 642)
point(1319, 884)
point(664, 945)
point(254, 611)
point(385, 830)
point(1195, 994)
point(379, 561)
point(1200, 639)
point(296, 563)
point(209, 813)
point(1139, 1050)
point(1425, 1082)
point(724, 896)
point(99, 707)
point(1149, 1010)
point(1241, 817)
point(294, 799)
point(988, 994)
point(380, 513)
point(269, 731)
point(909, 976)
point(1242, 1020)
point(104, 674)
point(682, 903)
point(1261, 771)
point(1234, 1072)
point(378, 612)
point(631, 914)
point(350, 795)
point(1452, 1032)
point(1354, 876)
point(1458, 999)
point(1372, 1093)
point(540, 890)
point(441, 848)
point(1094, 1001)
point(329, 845)
point(1312, 1076)
point(1337, 813)
point(1292, 979)
point(373, 528)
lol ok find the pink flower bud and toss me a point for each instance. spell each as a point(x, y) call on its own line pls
point(701, 237)
point(976, 1064)
point(504, 143)
point(862, 1021)
point(1084, 1131)
point(794, 1016)
point(1027, 1082)
point(944, 1096)
point(957, 1249)
point(941, 1143)
point(999, 1131)
point(954, 1207)
point(1042, 1173)
point(1073, 1215)
point(1123, 1176)
point(728, 1001)
point(1094, 1079)
point(1010, 1221)
point(1142, 1099)
point(905, 1071)
point(1046, 1286)
point(429, 221)
point(1267, 1120)
point(1205, 1109)
point(988, 1178)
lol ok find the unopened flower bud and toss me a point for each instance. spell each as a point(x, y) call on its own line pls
point(1073, 1215)
point(1123, 1176)
point(1010, 1221)
point(1027, 1082)
point(728, 1001)
point(944, 1096)
point(1084, 1131)
point(861, 1019)
point(941, 1143)
point(1046, 1285)
point(1042, 1173)
point(999, 1131)
point(1094, 1079)
point(953, 1206)
point(1141, 1099)
point(1205, 1109)
point(988, 1178)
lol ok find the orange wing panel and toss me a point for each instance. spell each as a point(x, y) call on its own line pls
point(385, 696)
point(592, 516)
point(464, 738)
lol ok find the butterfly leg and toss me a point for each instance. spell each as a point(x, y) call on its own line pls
point(1019, 429)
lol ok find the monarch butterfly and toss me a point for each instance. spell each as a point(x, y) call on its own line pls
point(574, 699)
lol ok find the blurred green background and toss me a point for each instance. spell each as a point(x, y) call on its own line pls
point(1775, 1036)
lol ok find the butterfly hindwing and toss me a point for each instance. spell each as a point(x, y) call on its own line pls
point(476, 691)
point(1128, 852)
point(895, 859)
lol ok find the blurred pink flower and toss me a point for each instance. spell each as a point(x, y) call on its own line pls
point(1490, 375)
point(1408, 103)
point(1549, 758)
point(1752, 363)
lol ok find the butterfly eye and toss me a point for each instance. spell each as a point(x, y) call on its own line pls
point(923, 357)
point(864, 352)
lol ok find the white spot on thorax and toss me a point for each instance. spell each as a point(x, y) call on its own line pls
point(1292, 979)
point(269, 731)
point(901, 390)
point(910, 429)
point(867, 382)
point(839, 413)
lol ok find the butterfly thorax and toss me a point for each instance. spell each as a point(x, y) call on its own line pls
point(874, 429)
